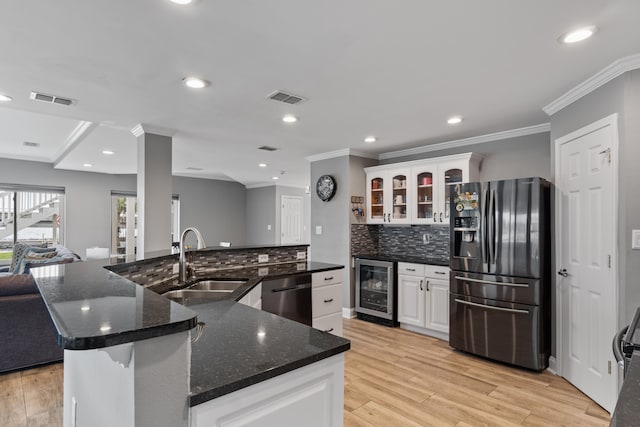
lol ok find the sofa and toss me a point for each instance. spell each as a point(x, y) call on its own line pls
point(27, 335)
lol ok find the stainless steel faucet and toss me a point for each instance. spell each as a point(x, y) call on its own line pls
point(182, 262)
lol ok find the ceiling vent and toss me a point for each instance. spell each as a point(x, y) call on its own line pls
point(267, 148)
point(51, 99)
point(192, 168)
point(285, 97)
point(30, 144)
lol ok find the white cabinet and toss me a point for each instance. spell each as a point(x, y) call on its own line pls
point(326, 301)
point(423, 298)
point(388, 197)
point(311, 396)
point(253, 298)
point(417, 192)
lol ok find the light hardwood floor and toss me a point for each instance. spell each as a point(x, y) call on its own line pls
point(393, 378)
point(398, 378)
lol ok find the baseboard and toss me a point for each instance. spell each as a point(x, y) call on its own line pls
point(553, 365)
point(423, 331)
point(349, 313)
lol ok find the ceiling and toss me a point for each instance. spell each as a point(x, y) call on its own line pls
point(396, 70)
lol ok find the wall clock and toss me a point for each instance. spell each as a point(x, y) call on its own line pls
point(326, 187)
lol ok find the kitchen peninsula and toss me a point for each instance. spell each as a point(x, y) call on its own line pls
point(130, 360)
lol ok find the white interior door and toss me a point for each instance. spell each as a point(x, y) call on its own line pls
point(291, 220)
point(586, 284)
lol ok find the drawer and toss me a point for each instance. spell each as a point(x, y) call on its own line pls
point(326, 300)
point(331, 323)
point(323, 278)
point(436, 272)
point(411, 269)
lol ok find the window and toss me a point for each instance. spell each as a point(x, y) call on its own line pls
point(31, 215)
point(124, 223)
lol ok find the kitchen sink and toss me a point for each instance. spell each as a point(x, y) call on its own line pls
point(217, 285)
point(182, 294)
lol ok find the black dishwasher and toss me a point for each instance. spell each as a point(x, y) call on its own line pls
point(289, 297)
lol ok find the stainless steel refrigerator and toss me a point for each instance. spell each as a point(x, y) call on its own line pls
point(500, 284)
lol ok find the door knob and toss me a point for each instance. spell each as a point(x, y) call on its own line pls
point(563, 272)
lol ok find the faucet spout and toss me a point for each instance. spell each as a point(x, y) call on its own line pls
point(182, 261)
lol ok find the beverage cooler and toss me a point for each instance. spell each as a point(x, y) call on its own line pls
point(376, 291)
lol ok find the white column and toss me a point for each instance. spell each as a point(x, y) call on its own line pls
point(155, 187)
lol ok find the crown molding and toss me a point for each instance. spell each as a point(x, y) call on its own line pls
point(259, 185)
point(491, 137)
point(141, 128)
point(341, 153)
point(81, 131)
point(599, 79)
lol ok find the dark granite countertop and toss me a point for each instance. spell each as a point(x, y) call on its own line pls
point(405, 258)
point(241, 346)
point(92, 307)
point(252, 274)
point(627, 412)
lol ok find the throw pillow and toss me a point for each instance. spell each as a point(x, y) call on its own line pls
point(20, 250)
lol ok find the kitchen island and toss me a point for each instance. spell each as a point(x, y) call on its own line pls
point(129, 359)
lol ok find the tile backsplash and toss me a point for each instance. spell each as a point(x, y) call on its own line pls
point(428, 241)
point(159, 270)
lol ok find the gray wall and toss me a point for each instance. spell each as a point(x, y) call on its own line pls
point(335, 216)
point(217, 208)
point(622, 96)
point(261, 212)
point(520, 157)
point(263, 209)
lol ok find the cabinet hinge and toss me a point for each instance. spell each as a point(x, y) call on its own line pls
point(609, 367)
point(609, 262)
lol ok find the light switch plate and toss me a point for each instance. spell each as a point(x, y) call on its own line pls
point(318, 230)
point(635, 239)
point(263, 258)
point(268, 227)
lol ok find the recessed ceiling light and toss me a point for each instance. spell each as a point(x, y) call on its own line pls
point(578, 35)
point(275, 177)
point(181, 2)
point(87, 165)
point(195, 82)
point(370, 139)
point(105, 328)
point(5, 98)
point(454, 120)
point(262, 165)
point(108, 152)
point(85, 308)
point(289, 118)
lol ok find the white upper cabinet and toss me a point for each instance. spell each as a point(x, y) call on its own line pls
point(388, 197)
point(417, 192)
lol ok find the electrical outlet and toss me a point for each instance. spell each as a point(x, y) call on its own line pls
point(318, 230)
point(268, 227)
point(263, 258)
point(263, 271)
point(176, 268)
point(301, 255)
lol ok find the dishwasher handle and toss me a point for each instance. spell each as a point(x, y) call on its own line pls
point(293, 288)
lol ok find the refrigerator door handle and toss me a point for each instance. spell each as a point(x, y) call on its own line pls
point(509, 310)
point(489, 282)
point(492, 226)
point(483, 225)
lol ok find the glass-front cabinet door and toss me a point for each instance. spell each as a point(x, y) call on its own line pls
point(424, 201)
point(398, 213)
point(450, 174)
point(375, 199)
